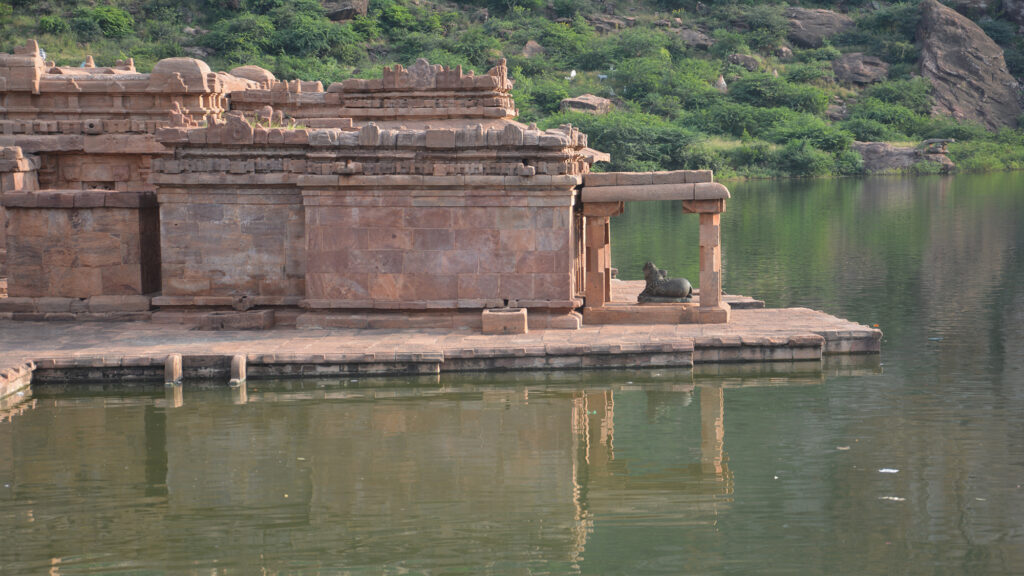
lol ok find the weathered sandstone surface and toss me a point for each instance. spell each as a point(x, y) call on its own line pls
point(966, 68)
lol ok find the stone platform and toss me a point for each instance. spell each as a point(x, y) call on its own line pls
point(136, 351)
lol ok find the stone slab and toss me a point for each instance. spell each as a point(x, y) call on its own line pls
point(112, 350)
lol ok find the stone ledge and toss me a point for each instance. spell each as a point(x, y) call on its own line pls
point(70, 199)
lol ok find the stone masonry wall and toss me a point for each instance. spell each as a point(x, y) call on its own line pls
point(370, 218)
point(412, 252)
point(232, 243)
point(423, 92)
point(80, 244)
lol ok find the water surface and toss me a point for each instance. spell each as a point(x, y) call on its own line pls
point(909, 463)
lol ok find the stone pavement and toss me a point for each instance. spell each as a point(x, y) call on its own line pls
point(105, 349)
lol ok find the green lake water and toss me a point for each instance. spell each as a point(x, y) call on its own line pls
point(911, 462)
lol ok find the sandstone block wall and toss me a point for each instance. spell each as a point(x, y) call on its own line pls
point(76, 244)
point(405, 256)
point(232, 243)
point(412, 96)
point(371, 218)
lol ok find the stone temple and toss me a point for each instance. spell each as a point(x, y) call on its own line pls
point(237, 200)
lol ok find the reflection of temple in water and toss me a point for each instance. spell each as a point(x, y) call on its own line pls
point(603, 486)
point(363, 476)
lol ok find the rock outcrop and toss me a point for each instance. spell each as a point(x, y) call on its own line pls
point(859, 68)
point(966, 69)
point(884, 157)
point(346, 9)
point(532, 48)
point(810, 27)
point(696, 38)
point(587, 103)
point(745, 61)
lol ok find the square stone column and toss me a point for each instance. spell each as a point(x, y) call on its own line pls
point(713, 310)
point(598, 251)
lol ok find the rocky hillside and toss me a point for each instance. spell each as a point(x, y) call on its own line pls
point(748, 89)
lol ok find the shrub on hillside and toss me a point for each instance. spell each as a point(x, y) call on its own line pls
point(635, 141)
point(868, 130)
point(53, 25)
point(769, 91)
point(800, 158)
point(112, 22)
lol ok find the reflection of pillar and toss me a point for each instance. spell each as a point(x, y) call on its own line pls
point(174, 396)
point(712, 430)
point(713, 310)
point(598, 257)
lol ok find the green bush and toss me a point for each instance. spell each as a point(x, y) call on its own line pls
point(914, 93)
point(848, 163)
point(811, 72)
point(825, 53)
point(53, 25)
point(769, 91)
point(112, 22)
point(86, 29)
point(727, 42)
point(476, 45)
point(868, 130)
point(242, 38)
point(812, 129)
point(768, 26)
point(753, 154)
point(896, 116)
point(635, 141)
point(800, 158)
point(537, 97)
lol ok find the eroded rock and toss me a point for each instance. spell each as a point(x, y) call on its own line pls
point(884, 157)
point(345, 9)
point(696, 38)
point(747, 62)
point(810, 27)
point(859, 68)
point(966, 69)
point(587, 103)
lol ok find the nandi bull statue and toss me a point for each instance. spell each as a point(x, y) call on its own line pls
point(661, 288)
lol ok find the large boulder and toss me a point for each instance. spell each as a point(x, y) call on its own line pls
point(744, 61)
point(587, 103)
point(859, 68)
point(697, 39)
point(884, 157)
point(810, 27)
point(966, 69)
point(532, 48)
point(345, 9)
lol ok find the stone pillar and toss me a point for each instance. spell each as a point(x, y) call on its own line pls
point(598, 255)
point(710, 260)
point(712, 310)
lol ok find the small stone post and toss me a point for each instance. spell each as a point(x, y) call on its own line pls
point(237, 370)
point(172, 370)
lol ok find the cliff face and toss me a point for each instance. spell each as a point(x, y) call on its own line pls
point(966, 69)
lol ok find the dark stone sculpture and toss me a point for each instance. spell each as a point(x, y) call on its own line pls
point(661, 288)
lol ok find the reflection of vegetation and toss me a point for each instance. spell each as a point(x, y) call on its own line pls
point(771, 121)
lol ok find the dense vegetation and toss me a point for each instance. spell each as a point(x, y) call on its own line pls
point(772, 121)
